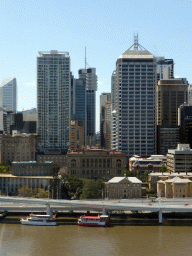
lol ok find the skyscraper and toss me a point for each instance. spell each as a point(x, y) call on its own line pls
point(105, 120)
point(165, 68)
point(90, 78)
point(136, 85)
point(53, 101)
point(8, 94)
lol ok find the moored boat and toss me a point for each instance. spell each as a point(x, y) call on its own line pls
point(39, 220)
point(94, 221)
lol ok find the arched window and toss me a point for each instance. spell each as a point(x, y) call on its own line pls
point(73, 163)
point(118, 163)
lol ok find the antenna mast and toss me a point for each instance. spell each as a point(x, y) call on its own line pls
point(136, 42)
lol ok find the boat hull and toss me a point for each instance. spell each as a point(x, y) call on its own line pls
point(38, 223)
point(93, 225)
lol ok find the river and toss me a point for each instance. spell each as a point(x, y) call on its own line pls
point(124, 237)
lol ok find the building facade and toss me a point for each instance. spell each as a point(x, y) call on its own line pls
point(76, 132)
point(89, 75)
point(20, 147)
point(8, 94)
point(123, 187)
point(180, 159)
point(105, 120)
point(136, 95)
point(53, 101)
point(165, 68)
point(95, 163)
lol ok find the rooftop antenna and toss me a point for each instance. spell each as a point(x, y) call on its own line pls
point(136, 42)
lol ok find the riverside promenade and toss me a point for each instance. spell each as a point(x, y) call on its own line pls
point(19, 205)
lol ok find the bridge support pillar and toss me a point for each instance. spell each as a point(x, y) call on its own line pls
point(49, 210)
point(160, 217)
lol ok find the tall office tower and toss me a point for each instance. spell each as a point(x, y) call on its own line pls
point(105, 120)
point(76, 132)
point(53, 101)
point(170, 95)
point(190, 94)
point(136, 85)
point(72, 80)
point(185, 124)
point(113, 91)
point(165, 68)
point(8, 94)
point(89, 75)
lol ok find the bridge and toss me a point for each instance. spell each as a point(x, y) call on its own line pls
point(16, 204)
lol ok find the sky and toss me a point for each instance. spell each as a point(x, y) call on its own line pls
point(105, 27)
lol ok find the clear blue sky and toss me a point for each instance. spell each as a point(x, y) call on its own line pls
point(105, 27)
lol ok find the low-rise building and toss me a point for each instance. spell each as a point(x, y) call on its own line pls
point(175, 188)
point(32, 168)
point(123, 187)
point(180, 159)
point(93, 163)
point(157, 176)
point(58, 159)
point(20, 147)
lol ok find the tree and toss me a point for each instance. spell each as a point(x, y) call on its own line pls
point(55, 182)
point(71, 185)
point(128, 173)
point(146, 175)
point(25, 192)
point(163, 169)
point(92, 189)
point(41, 193)
point(151, 192)
point(5, 167)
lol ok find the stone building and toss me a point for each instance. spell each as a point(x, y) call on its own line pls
point(58, 159)
point(20, 147)
point(175, 188)
point(123, 187)
point(95, 163)
point(30, 174)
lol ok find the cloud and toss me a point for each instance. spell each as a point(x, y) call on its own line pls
point(176, 76)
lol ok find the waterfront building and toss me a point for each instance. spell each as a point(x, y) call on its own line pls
point(94, 163)
point(90, 78)
point(105, 120)
point(8, 94)
point(123, 187)
point(136, 95)
point(163, 176)
point(180, 159)
point(53, 101)
point(20, 147)
point(170, 95)
point(174, 188)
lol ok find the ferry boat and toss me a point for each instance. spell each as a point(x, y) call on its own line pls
point(94, 221)
point(39, 220)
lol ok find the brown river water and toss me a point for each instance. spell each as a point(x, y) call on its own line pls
point(124, 237)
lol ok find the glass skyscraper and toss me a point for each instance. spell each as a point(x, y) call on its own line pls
point(53, 101)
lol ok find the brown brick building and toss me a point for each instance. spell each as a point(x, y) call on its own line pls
point(95, 163)
point(20, 147)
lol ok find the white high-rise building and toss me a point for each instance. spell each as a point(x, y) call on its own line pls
point(8, 94)
point(136, 94)
point(53, 101)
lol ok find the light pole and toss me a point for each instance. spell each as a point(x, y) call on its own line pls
point(48, 191)
point(52, 193)
point(57, 192)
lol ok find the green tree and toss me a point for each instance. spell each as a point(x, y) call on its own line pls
point(128, 173)
point(92, 189)
point(163, 169)
point(25, 192)
point(55, 182)
point(41, 193)
point(5, 167)
point(151, 192)
point(146, 176)
point(71, 185)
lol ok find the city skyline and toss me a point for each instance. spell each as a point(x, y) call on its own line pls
point(105, 28)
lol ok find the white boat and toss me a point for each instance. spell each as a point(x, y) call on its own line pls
point(94, 221)
point(39, 220)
